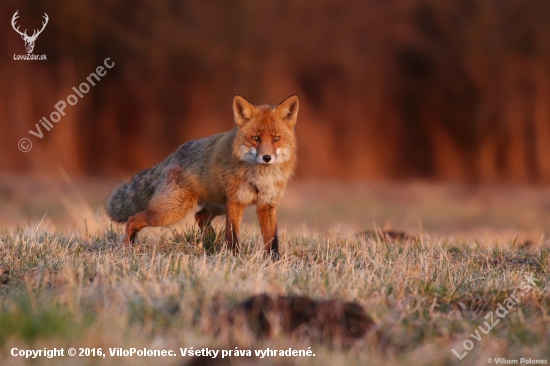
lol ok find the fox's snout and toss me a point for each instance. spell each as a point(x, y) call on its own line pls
point(256, 156)
point(253, 155)
point(265, 159)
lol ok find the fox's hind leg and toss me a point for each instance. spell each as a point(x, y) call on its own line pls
point(205, 216)
point(134, 225)
point(170, 203)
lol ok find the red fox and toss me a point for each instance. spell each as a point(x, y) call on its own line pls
point(224, 173)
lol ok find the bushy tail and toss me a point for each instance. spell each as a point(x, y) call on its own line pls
point(131, 198)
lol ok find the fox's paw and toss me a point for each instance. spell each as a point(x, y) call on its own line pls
point(130, 239)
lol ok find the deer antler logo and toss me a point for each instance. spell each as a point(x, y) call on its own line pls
point(29, 41)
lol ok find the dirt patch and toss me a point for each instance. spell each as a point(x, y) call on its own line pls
point(4, 276)
point(385, 235)
point(336, 322)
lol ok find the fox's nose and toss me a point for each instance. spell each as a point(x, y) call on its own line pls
point(267, 158)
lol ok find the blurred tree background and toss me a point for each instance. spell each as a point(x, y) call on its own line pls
point(452, 90)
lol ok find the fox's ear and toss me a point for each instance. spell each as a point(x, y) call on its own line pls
point(287, 110)
point(242, 109)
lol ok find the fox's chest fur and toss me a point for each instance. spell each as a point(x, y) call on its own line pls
point(262, 185)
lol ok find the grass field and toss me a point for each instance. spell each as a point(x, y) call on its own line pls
point(426, 294)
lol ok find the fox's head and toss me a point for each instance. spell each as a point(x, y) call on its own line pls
point(266, 134)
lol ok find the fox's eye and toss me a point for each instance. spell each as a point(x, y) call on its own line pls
point(276, 138)
point(255, 138)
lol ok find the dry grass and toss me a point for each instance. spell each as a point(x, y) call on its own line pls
point(426, 294)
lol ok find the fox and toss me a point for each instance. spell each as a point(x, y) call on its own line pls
point(249, 165)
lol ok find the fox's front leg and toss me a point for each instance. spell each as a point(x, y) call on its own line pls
point(233, 219)
point(267, 215)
